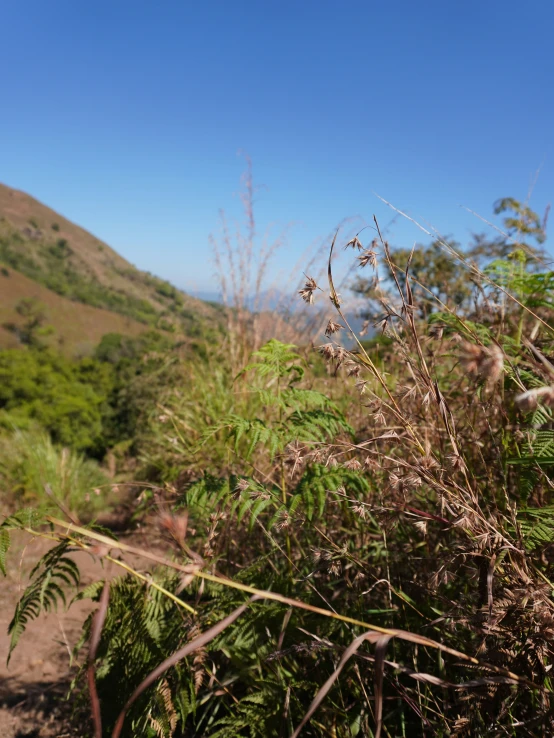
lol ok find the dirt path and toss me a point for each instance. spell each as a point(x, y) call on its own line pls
point(39, 670)
point(33, 686)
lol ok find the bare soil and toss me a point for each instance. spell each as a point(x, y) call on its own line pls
point(34, 686)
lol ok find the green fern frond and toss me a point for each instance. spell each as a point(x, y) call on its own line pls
point(537, 526)
point(44, 593)
point(90, 592)
point(206, 495)
point(4, 547)
point(319, 481)
point(317, 425)
point(538, 451)
point(297, 399)
point(467, 328)
point(275, 360)
point(27, 517)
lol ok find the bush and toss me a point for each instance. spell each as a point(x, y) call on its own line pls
point(42, 386)
point(33, 467)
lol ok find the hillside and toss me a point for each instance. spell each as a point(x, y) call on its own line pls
point(77, 327)
point(60, 263)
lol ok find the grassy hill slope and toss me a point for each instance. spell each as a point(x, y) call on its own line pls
point(77, 327)
point(65, 259)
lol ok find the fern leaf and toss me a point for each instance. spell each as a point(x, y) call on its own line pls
point(537, 526)
point(44, 591)
point(4, 546)
point(257, 509)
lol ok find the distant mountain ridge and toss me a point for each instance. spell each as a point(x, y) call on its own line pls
point(49, 252)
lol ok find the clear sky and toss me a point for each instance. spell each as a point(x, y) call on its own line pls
point(127, 115)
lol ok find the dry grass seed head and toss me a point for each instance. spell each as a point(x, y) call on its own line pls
point(421, 526)
point(352, 464)
point(527, 401)
point(360, 385)
point(454, 462)
point(360, 510)
point(483, 361)
point(368, 257)
point(242, 485)
point(332, 328)
point(176, 525)
point(328, 351)
point(284, 520)
point(307, 292)
point(355, 243)
point(353, 369)
point(405, 392)
point(436, 331)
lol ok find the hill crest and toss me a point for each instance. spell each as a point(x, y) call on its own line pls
point(49, 249)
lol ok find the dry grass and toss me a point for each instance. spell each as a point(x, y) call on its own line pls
point(261, 300)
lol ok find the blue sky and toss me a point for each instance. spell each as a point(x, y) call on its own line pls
point(127, 116)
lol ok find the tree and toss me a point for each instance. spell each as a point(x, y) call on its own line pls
point(522, 222)
point(38, 386)
point(33, 329)
point(445, 272)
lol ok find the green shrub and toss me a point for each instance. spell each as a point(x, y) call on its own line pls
point(44, 387)
point(60, 250)
point(32, 464)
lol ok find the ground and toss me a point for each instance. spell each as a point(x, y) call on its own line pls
point(33, 686)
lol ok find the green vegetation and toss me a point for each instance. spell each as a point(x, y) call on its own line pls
point(61, 260)
point(60, 268)
point(88, 404)
point(56, 272)
point(388, 510)
point(40, 386)
point(33, 329)
point(45, 472)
